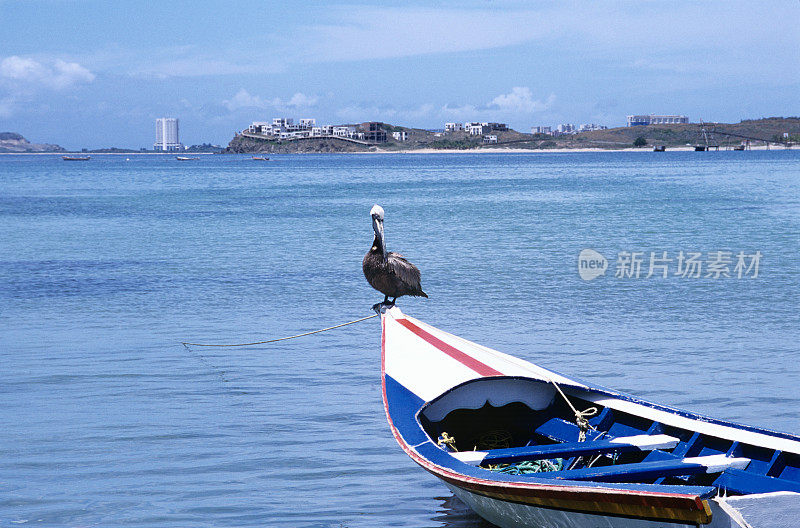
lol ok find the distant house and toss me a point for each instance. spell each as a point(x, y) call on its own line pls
point(541, 130)
point(588, 127)
point(259, 127)
point(374, 133)
point(652, 119)
point(400, 136)
point(308, 123)
point(490, 139)
point(500, 127)
point(565, 128)
point(343, 131)
point(453, 127)
point(477, 129)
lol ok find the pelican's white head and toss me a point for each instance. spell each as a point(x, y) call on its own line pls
point(377, 225)
point(376, 212)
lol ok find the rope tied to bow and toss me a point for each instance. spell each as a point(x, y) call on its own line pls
point(280, 338)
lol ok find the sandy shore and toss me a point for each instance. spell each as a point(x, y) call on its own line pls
point(498, 150)
point(554, 150)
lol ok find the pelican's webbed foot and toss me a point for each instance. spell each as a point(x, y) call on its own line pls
point(386, 302)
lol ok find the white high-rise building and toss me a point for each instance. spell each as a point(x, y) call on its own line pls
point(167, 134)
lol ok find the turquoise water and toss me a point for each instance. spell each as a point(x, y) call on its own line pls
point(108, 265)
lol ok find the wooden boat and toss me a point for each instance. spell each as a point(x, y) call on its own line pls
point(524, 446)
point(76, 158)
point(260, 158)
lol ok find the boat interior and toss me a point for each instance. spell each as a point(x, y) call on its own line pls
point(504, 424)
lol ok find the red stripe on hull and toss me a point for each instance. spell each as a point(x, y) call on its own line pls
point(465, 359)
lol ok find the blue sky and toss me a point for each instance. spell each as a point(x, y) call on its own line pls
point(98, 73)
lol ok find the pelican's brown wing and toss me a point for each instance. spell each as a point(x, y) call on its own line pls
point(407, 274)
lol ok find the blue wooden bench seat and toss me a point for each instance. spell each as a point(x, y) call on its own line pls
point(651, 470)
point(745, 482)
point(568, 449)
point(657, 465)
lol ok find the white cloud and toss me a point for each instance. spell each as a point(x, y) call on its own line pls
point(298, 100)
point(56, 74)
point(410, 31)
point(520, 100)
point(243, 99)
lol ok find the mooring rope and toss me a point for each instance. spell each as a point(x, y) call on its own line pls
point(186, 344)
point(580, 416)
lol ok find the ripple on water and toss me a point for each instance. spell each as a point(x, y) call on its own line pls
point(106, 268)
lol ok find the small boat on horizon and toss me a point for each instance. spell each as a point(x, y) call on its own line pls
point(76, 158)
point(184, 158)
point(260, 158)
point(526, 447)
point(659, 148)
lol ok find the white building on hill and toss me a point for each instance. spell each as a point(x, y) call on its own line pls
point(652, 119)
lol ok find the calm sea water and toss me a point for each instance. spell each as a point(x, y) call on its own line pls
point(106, 420)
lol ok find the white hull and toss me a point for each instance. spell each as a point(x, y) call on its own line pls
point(513, 515)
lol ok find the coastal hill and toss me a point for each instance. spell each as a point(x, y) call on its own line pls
point(13, 142)
point(759, 131)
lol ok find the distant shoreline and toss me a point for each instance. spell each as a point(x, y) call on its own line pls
point(498, 150)
point(553, 150)
point(74, 153)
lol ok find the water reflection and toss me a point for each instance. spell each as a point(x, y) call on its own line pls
point(455, 514)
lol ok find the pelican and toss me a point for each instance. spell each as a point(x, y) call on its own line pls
point(389, 272)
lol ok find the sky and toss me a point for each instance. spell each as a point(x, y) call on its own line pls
point(97, 74)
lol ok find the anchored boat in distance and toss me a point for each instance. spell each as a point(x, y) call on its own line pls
point(76, 158)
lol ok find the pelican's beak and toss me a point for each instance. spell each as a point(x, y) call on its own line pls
point(377, 226)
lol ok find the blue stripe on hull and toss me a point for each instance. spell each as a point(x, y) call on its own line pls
point(403, 407)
